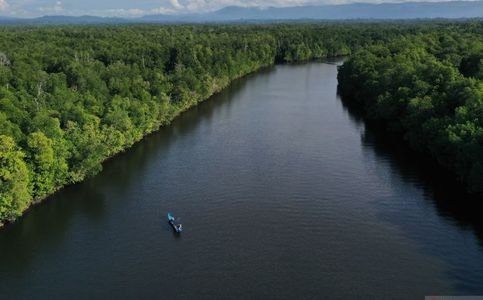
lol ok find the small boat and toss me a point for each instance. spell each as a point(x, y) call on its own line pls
point(178, 227)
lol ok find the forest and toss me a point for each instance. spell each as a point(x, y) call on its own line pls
point(428, 88)
point(73, 96)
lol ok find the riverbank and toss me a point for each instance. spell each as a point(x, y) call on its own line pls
point(428, 95)
point(176, 112)
point(95, 91)
point(273, 147)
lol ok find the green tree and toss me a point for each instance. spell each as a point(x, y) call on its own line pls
point(43, 164)
point(14, 180)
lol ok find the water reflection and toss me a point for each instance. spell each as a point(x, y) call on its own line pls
point(46, 226)
point(443, 199)
point(439, 186)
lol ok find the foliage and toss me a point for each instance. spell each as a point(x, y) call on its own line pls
point(429, 87)
point(14, 180)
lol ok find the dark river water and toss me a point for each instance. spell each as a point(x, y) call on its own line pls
point(284, 193)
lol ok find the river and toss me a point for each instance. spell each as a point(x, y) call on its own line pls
point(284, 193)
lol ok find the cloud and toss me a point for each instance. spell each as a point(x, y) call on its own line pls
point(56, 8)
point(161, 10)
point(3, 5)
point(123, 12)
point(176, 4)
point(130, 12)
point(194, 6)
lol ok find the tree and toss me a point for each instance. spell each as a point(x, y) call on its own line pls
point(14, 180)
point(43, 164)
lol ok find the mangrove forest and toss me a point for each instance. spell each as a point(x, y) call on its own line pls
point(73, 96)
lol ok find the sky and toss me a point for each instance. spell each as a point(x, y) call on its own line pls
point(135, 8)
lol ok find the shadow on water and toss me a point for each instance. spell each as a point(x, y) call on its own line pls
point(46, 225)
point(439, 186)
point(445, 196)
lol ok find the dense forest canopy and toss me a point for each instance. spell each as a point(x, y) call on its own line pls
point(72, 96)
point(428, 87)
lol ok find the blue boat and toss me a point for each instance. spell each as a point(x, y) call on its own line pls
point(178, 227)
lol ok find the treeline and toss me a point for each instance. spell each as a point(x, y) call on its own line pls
point(70, 97)
point(428, 87)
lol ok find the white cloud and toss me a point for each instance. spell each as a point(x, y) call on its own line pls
point(161, 10)
point(56, 8)
point(131, 12)
point(176, 4)
point(123, 12)
point(195, 6)
point(3, 5)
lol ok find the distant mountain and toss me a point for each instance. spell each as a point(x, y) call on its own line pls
point(406, 10)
